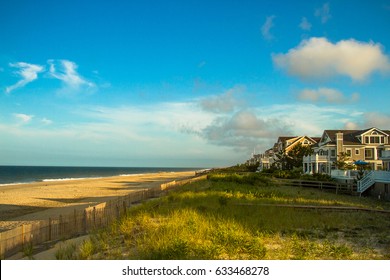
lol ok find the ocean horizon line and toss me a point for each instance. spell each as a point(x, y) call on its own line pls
point(12, 174)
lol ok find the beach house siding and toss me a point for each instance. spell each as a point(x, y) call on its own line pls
point(367, 145)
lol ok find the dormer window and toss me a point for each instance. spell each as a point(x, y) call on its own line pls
point(377, 139)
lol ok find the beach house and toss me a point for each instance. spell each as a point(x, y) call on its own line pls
point(357, 145)
point(369, 148)
point(284, 144)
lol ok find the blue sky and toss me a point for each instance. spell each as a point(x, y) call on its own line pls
point(185, 83)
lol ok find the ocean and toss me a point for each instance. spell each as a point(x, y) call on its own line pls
point(28, 174)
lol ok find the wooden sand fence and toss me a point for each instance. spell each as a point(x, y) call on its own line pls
point(348, 188)
point(78, 222)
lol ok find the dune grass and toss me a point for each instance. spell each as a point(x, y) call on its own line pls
point(233, 217)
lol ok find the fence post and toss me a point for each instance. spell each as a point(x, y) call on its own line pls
point(84, 221)
point(1, 247)
point(94, 216)
point(49, 229)
point(60, 225)
point(22, 234)
point(118, 213)
point(124, 209)
point(75, 228)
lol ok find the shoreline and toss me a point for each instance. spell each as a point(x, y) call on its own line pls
point(33, 202)
point(19, 175)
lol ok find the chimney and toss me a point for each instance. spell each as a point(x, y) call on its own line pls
point(339, 143)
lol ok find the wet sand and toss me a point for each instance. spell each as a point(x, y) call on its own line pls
point(27, 203)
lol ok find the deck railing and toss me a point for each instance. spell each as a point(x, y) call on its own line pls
point(371, 178)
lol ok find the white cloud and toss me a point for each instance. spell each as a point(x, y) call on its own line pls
point(311, 119)
point(305, 24)
point(317, 58)
point(46, 121)
point(23, 118)
point(368, 120)
point(375, 119)
point(223, 103)
point(351, 126)
point(266, 28)
point(327, 95)
point(28, 72)
point(244, 130)
point(65, 71)
point(323, 13)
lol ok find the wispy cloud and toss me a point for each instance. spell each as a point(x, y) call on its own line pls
point(305, 24)
point(28, 72)
point(327, 95)
point(183, 129)
point(370, 119)
point(266, 28)
point(323, 13)
point(377, 119)
point(312, 119)
point(66, 71)
point(317, 58)
point(23, 118)
point(223, 103)
point(46, 121)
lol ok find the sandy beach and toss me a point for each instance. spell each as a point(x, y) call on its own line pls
point(26, 203)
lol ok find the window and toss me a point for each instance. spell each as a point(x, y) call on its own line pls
point(348, 152)
point(369, 153)
point(333, 153)
point(357, 152)
point(374, 139)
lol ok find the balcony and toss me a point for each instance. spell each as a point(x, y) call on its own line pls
point(315, 158)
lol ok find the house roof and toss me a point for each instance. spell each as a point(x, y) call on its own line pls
point(316, 139)
point(350, 136)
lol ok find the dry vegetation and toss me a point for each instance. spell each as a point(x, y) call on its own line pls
point(240, 217)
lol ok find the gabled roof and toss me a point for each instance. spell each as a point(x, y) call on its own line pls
point(316, 139)
point(386, 132)
point(350, 136)
point(300, 139)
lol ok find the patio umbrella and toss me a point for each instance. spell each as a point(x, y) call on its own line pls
point(360, 162)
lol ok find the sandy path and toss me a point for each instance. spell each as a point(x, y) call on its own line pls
point(21, 204)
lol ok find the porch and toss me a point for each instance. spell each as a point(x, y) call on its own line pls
point(316, 164)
